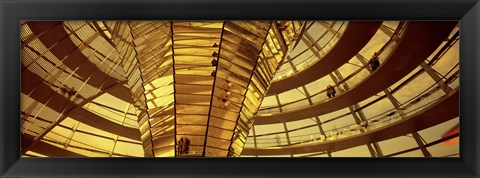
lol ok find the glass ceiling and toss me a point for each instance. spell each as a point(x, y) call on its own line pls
point(134, 88)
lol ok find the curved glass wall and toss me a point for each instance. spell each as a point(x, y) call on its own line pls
point(88, 93)
point(414, 92)
point(323, 35)
point(353, 74)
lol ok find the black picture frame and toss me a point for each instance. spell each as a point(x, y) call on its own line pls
point(12, 11)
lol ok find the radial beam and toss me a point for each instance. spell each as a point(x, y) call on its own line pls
point(153, 84)
point(440, 110)
point(204, 82)
point(353, 39)
point(33, 86)
point(418, 41)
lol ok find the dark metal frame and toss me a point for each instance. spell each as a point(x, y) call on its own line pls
point(12, 11)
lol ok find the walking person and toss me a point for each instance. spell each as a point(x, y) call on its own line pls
point(186, 146)
point(374, 62)
point(180, 146)
point(331, 91)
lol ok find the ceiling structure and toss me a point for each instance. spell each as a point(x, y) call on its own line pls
point(238, 88)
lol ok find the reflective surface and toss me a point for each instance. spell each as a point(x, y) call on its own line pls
point(194, 87)
point(143, 88)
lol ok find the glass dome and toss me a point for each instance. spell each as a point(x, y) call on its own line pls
point(240, 89)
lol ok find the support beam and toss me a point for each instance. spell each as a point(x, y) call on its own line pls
point(394, 67)
point(440, 110)
point(48, 149)
point(436, 77)
point(59, 103)
point(317, 119)
point(359, 116)
point(402, 114)
point(386, 30)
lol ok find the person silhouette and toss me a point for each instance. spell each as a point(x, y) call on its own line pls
point(331, 91)
point(186, 146)
point(374, 62)
point(180, 146)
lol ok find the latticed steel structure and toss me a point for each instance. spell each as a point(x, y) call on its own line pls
point(233, 88)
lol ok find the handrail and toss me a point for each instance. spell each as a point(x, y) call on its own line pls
point(426, 91)
point(397, 33)
point(357, 126)
point(395, 67)
point(306, 62)
point(433, 61)
point(409, 150)
point(353, 39)
point(436, 58)
point(426, 145)
point(419, 121)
